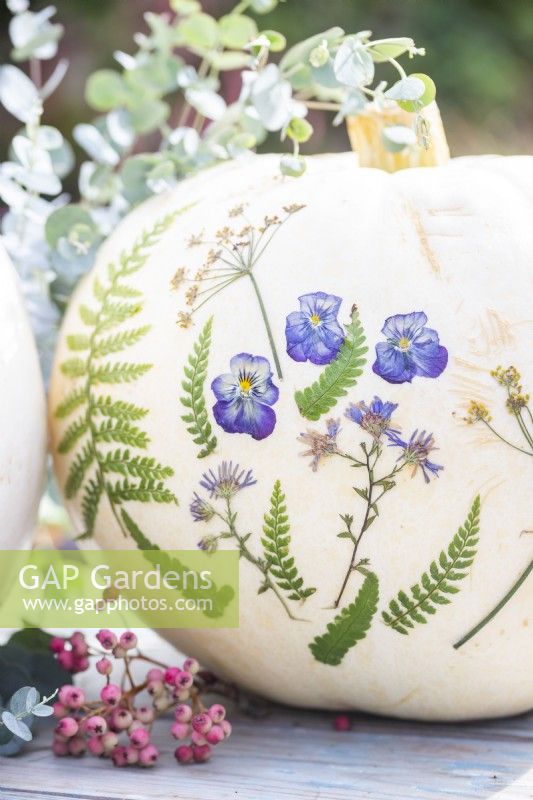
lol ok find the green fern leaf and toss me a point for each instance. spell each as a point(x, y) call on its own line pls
point(73, 400)
point(89, 506)
point(451, 567)
point(144, 467)
point(276, 544)
point(78, 470)
point(340, 375)
point(118, 372)
point(119, 409)
point(142, 492)
point(120, 432)
point(74, 368)
point(350, 626)
point(104, 419)
point(73, 433)
point(118, 341)
point(193, 400)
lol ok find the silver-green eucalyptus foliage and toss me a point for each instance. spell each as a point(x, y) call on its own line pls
point(16, 719)
point(52, 239)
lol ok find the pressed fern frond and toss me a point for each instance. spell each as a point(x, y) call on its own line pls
point(195, 370)
point(276, 542)
point(452, 566)
point(101, 419)
point(338, 376)
point(350, 626)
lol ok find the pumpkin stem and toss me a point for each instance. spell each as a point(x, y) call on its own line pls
point(366, 137)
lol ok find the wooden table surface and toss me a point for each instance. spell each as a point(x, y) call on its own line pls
point(295, 755)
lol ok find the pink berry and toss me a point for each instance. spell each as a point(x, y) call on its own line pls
point(226, 727)
point(78, 644)
point(202, 723)
point(183, 754)
point(118, 754)
point(56, 644)
point(170, 675)
point(201, 753)
point(95, 746)
point(60, 710)
point(109, 741)
point(139, 737)
point(104, 666)
point(128, 640)
point(71, 696)
point(217, 712)
point(77, 746)
point(121, 719)
point(59, 748)
point(96, 725)
point(191, 665)
point(342, 722)
point(155, 688)
point(155, 674)
point(183, 713)
point(197, 738)
point(180, 730)
point(131, 755)
point(145, 714)
point(181, 694)
point(66, 660)
point(111, 694)
point(183, 680)
point(67, 727)
point(106, 638)
point(215, 735)
point(148, 756)
point(80, 664)
point(119, 651)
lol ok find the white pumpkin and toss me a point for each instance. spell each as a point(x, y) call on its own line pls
point(22, 417)
point(453, 242)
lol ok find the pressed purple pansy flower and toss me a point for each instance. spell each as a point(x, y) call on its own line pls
point(313, 333)
point(374, 419)
point(244, 397)
point(411, 349)
point(416, 452)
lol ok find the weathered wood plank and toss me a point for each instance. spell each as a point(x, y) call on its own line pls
point(297, 756)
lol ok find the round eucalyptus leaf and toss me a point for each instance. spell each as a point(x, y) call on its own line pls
point(198, 31)
point(149, 115)
point(105, 90)
point(236, 30)
point(228, 60)
point(397, 137)
point(18, 94)
point(16, 726)
point(208, 103)
point(292, 165)
point(300, 52)
point(299, 130)
point(276, 40)
point(94, 144)
point(120, 128)
point(42, 710)
point(185, 7)
point(353, 64)
point(390, 48)
point(62, 220)
point(410, 88)
point(427, 97)
point(263, 6)
point(23, 700)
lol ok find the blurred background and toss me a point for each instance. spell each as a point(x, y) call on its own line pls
point(479, 52)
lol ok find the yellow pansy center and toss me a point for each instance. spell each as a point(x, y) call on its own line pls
point(404, 343)
point(245, 385)
point(315, 319)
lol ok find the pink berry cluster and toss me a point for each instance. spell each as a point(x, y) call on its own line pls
point(116, 727)
point(72, 652)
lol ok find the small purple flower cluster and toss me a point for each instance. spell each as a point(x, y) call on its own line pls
point(97, 726)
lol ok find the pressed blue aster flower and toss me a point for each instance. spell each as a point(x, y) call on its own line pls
point(200, 509)
point(321, 444)
point(227, 481)
point(313, 333)
point(416, 451)
point(411, 349)
point(244, 397)
point(374, 419)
